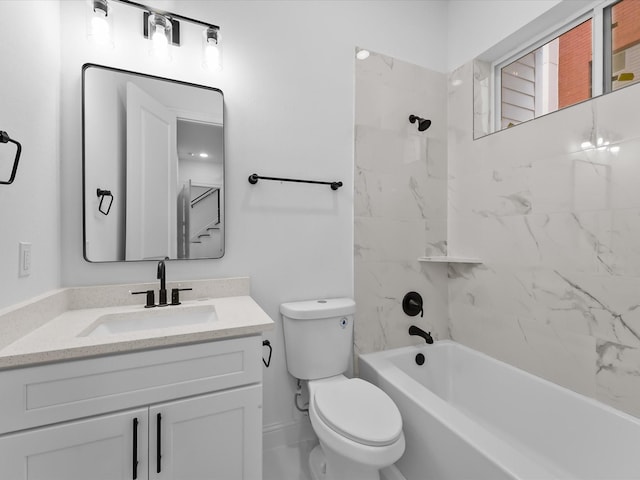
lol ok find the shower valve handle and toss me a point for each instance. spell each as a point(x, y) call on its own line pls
point(412, 304)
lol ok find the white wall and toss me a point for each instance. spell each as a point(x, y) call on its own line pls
point(289, 100)
point(200, 172)
point(29, 113)
point(475, 26)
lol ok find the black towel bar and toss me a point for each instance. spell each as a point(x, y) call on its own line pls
point(253, 179)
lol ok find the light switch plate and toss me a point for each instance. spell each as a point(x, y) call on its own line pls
point(24, 259)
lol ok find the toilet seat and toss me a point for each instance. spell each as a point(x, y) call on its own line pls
point(359, 411)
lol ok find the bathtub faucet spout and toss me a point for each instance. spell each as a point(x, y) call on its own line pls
point(413, 330)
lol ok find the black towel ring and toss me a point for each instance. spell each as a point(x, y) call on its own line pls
point(267, 343)
point(4, 138)
point(103, 194)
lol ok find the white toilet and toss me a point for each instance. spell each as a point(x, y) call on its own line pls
point(358, 425)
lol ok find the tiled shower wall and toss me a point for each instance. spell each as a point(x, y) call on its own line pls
point(400, 201)
point(558, 230)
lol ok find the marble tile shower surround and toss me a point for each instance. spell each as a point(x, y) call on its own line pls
point(400, 201)
point(558, 230)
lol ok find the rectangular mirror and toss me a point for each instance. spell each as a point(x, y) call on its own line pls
point(153, 167)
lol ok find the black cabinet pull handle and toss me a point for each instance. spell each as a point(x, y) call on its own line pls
point(158, 450)
point(135, 448)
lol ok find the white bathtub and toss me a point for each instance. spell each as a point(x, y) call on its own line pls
point(468, 416)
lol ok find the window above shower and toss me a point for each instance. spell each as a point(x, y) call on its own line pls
point(593, 52)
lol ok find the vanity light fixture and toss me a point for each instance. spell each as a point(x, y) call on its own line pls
point(211, 48)
point(162, 28)
point(100, 20)
point(159, 29)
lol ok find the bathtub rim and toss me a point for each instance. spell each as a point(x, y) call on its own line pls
point(424, 349)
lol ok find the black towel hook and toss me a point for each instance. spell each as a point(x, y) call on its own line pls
point(4, 138)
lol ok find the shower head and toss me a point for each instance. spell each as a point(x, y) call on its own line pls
point(423, 123)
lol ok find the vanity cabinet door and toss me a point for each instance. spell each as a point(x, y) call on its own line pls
point(99, 448)
point(213, 437)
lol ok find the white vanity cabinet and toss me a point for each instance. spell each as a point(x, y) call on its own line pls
point(99, 448)
point(189, 412)
point(211, 437)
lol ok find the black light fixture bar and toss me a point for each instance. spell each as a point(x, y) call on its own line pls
point(171, 15)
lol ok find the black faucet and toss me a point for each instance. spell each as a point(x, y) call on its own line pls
point(162, 302)
point(413, 330)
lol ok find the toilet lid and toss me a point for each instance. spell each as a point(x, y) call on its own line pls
point(359, 411)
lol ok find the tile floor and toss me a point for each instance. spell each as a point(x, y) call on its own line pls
point(291, 462)
point(288, 462)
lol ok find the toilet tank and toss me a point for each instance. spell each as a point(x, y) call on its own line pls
point(318, 336)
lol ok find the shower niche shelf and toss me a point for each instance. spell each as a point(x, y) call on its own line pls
point(450, 259)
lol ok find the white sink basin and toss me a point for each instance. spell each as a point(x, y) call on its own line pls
point(150, 319)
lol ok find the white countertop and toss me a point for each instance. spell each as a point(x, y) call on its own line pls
point(61, 336)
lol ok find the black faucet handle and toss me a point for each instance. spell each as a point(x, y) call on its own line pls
point(175, 295)
point(151, 297)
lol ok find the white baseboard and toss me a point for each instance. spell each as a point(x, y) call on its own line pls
point(281, 434)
